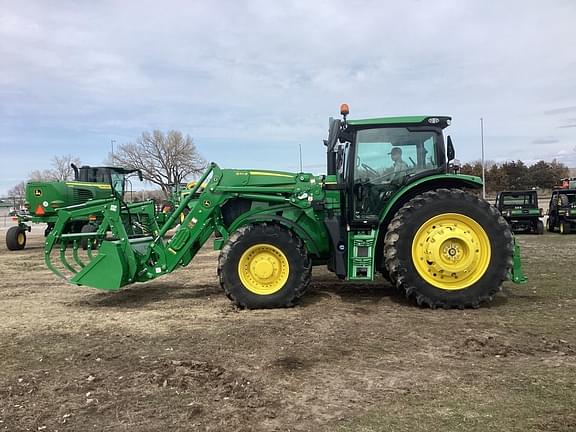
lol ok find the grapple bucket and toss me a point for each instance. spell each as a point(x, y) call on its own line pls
point(108, 258)
point(128, 246)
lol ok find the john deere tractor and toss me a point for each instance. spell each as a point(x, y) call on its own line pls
point(44, 198)
point(391, 202)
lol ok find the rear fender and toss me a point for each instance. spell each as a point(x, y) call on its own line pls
point(409, 191)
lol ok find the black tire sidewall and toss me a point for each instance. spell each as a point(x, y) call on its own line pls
point(261, 234)
point(12, 238)
point(488, 284)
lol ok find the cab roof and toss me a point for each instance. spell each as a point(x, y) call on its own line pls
point(434, 121)
point(518, 192)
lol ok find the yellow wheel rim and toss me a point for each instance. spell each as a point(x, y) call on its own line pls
point(561, 228)
point(263, 269)
point(451, 251)
point(21, 238)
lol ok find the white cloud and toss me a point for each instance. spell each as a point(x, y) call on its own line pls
point(267, 75)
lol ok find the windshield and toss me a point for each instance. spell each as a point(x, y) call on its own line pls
point(394, 151)
point(518, 200)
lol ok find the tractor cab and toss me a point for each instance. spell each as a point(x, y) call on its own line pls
point(374, 158)
point(118, 178)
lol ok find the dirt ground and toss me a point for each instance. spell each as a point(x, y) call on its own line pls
point(174, 354)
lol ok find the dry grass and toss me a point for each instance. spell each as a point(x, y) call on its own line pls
point(174, 354)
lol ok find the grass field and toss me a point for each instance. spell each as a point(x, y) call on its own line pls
point(174, 354)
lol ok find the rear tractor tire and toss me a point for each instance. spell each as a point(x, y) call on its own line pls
point(264, 266)
point(447, 248)
point(16, 238)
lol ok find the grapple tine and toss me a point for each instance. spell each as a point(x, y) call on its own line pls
point(75, 254)
point(48, 261)
point(63, 258)
point(89, 251)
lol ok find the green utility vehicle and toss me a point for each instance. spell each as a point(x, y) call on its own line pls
point(562, 211)
point(521, 211)
point(391, 202)
point(44, 198)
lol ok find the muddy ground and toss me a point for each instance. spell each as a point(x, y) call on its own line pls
point(174, 354)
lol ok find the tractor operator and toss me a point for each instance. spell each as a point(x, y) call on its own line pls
point(400, 167)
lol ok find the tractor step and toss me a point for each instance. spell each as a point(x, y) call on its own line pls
point(361, 246)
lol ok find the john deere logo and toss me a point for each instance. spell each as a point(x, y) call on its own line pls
point(37, 192)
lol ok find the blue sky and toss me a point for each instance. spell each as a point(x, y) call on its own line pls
point(251, 80)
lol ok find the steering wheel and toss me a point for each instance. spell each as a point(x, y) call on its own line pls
point(370, 169)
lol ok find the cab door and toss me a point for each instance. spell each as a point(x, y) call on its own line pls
point(385, 159)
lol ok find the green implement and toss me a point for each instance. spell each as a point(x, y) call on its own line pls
point(391, 203)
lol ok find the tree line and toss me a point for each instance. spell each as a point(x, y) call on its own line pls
point(516, 175)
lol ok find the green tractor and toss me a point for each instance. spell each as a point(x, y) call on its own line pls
point(391, 202)
point(44, 198)
point(521, 211)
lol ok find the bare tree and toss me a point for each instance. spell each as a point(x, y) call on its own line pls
point(164, 159)
point(17, 193)
point(60, 171)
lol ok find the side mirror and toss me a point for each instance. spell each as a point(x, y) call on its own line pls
point(140, 175)
point(450, 149)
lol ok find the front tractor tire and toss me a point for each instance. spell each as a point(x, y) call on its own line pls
point(447, 248)
point(264, 266)
point(16, 238)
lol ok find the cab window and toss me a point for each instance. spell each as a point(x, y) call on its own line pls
point(385, 159)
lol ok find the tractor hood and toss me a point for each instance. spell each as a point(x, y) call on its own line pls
point(299, 189)
point(43, 198)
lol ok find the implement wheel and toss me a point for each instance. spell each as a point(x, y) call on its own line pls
point(448, 248)
point(565, 227)
point(16, 238)
point(264, 266)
